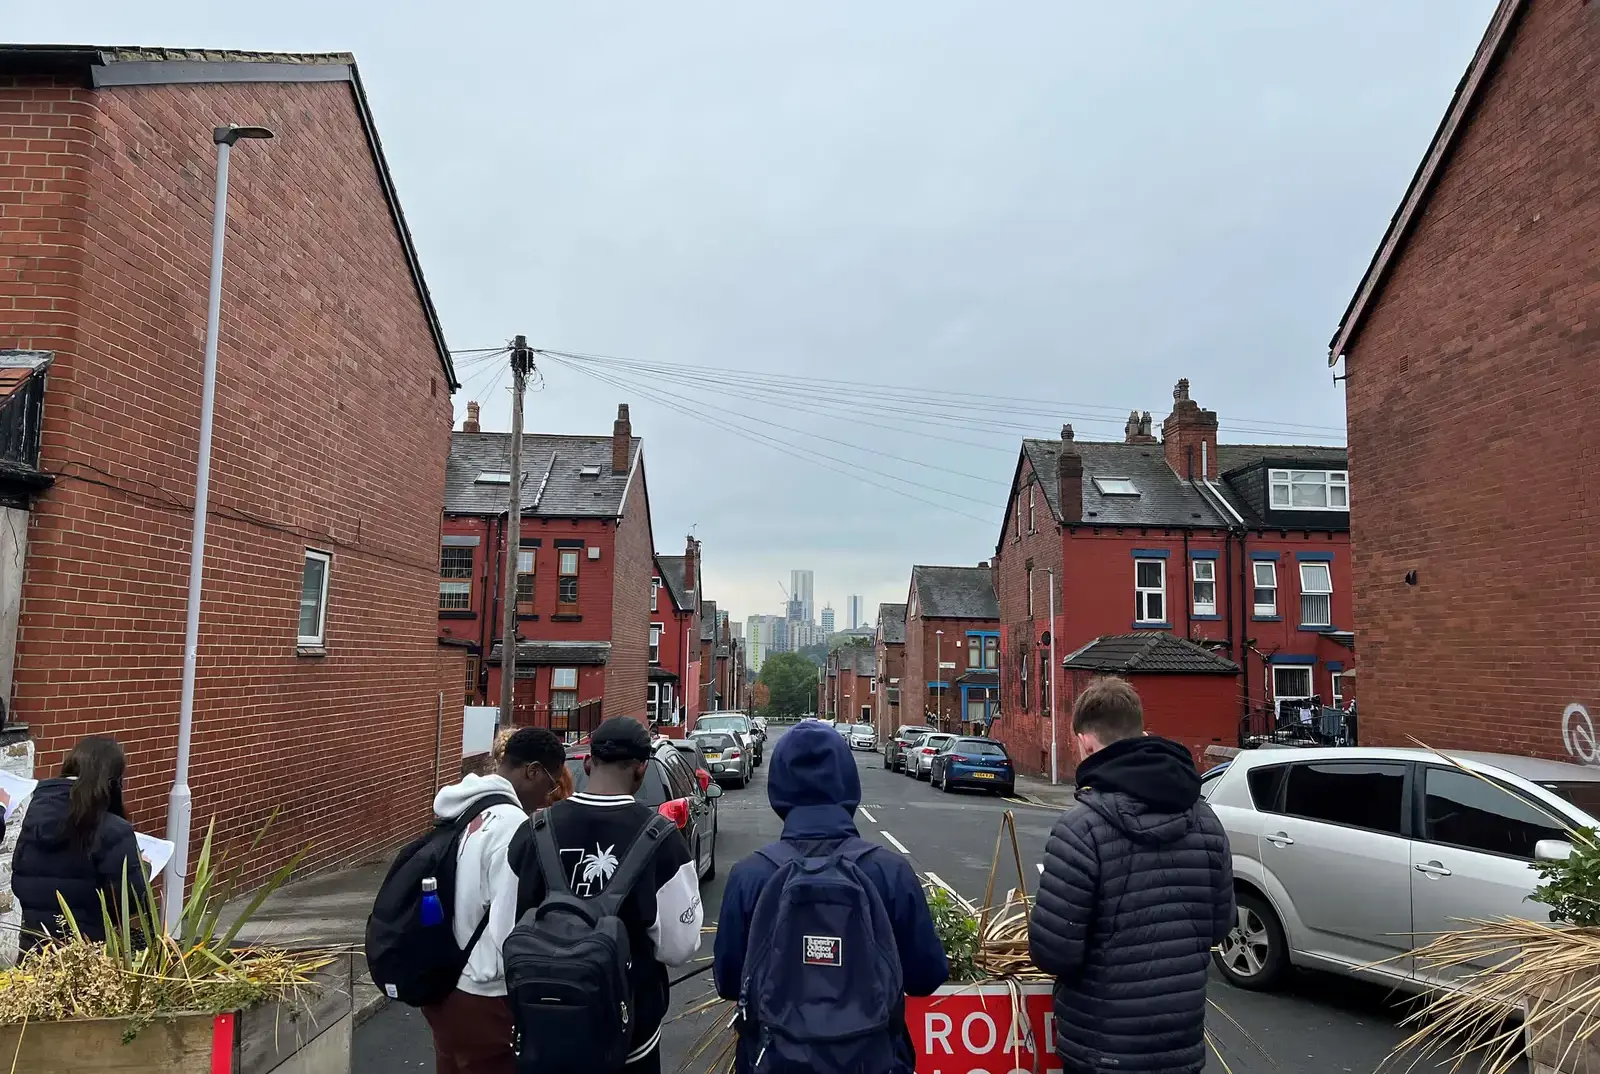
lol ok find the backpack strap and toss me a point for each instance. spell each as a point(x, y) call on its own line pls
point(640, 855)
point(477, 809)
point(549, 855)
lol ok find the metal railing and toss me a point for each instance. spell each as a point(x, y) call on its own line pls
point(1287, 725)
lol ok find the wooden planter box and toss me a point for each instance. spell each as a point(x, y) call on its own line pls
point(1558, 1052)
point(972, 1028)
point(279, 1038)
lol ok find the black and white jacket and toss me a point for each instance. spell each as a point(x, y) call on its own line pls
point(662, 914)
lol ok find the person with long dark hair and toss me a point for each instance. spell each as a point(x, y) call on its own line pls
point(76, 845)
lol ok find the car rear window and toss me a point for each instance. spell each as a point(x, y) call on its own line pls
point(1581, 793)
point(715, 742)
point(907, 732)
point(979, 747)
point(1265, 783)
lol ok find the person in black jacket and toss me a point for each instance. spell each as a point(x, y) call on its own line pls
point(1137, 889)
point(76, 845)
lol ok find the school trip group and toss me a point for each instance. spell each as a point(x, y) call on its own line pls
point(534, 926)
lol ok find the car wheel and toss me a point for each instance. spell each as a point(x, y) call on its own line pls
point(1255, 954)
point(886, 762)
point(924, 776)
point(945, 784)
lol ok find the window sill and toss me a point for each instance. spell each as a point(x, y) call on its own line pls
point(1213, 618)
point(457, 613)
point(1266, 618)
point(1309, 629)
point(311, 651)
point(565, 617)
point(1152, 626)
point(528, 618)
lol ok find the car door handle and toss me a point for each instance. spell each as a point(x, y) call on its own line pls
point(1432, 868)
point(1282, 839)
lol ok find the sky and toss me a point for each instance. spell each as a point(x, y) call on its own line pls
point(840, 257)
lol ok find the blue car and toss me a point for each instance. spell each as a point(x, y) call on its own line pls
point(974, 762)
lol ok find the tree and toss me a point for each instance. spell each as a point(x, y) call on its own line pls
point(791, 682)
point(817, 654)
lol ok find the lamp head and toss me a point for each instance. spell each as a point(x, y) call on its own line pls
point(232, 133)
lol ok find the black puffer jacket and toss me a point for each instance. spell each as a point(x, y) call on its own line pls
point(47, 861)
point(1137, 887)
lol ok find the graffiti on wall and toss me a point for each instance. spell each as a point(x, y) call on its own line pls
point(1577, 734)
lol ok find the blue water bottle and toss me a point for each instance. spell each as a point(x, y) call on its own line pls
point(432, 908)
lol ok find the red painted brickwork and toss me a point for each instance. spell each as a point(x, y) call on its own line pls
point(1024, 728)
point(105, 223)
point(924, 651)
point(891, 665)
point(1471, 405)
point(632, 567)
point(1196, 710)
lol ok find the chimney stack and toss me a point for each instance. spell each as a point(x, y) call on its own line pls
point(691, 556)
point(983, 564)
point(621, 440)
point(1137, 431)
point(471, 424)
point(1066, 432)
point(1069, 488)
point(1183, 433)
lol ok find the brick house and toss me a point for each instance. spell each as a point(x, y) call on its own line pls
point(1241, 548)
point(851, 683)
point(584, 572)
point(674, 639)
point(1470, 349)
point(890, 649)
point(952, 648)
point(320, 514)
point(710, 695)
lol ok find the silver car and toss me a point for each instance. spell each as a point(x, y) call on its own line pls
point(919, 755)
point(1342, 856)
point(729, 762)
point(863, 736)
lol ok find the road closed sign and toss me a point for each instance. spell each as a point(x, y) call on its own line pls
point(976, 1029)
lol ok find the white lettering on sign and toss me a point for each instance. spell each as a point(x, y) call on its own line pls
point(1577, 734)
point(988, 1025)
point(824, 951)
point(1050, 1032)
point(940, 1034)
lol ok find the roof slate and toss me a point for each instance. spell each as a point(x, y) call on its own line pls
point(955, 592)
point(892, 618)
point(552, 482)
point(559, 653)
point(672, 577)
point(708, 620)
point(1232, 457)
point(1148, 653)
point(1163, 500)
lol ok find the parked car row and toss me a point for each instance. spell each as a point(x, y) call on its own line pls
point(950, 761)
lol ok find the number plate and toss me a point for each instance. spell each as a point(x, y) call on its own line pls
point(983, 775)
point(713, 756)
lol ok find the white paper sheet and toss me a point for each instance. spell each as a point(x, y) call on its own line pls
point(156, 852)
point(14, 790)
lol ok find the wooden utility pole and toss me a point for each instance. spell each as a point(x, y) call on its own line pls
point(521, 362)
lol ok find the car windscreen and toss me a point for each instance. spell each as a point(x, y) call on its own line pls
point(653, 792)
point(977, 747)
point(722, 723)
point(1582, 793)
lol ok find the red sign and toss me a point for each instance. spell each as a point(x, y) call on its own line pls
point(973, 1029)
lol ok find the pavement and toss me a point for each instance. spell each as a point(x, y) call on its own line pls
point(1317, 1024)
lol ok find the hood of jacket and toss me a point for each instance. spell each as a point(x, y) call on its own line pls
point(47, 813)
point(1145, 786)
point(452, 801)
point(814, 784)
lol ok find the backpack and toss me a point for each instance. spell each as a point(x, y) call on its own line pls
point(822, 989)
point(416, 965)
point(568, 962)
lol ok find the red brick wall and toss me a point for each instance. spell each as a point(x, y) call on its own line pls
point(1196, 710)
point(325, 352)
point(891, 665)
point(1471, 404)
point(923, 652)
point(1020, 631)
point(633, 565)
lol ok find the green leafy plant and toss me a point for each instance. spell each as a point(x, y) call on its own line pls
point(958, 934)
point(1571, 888)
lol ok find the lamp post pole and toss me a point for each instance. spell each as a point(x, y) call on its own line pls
point(180, 802)
point(938, 669)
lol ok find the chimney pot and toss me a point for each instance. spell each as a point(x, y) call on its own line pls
point(1130, 431)
point(471, 424)
point(983, 564)
point(1182, 390)
point(621, 440)
point(1066, 432)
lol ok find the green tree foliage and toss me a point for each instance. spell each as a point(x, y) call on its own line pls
point(817, 653)
point(791, 682)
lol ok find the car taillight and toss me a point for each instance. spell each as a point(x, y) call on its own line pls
point(963, 758)
point(929, 749)
point(677, 811)
point(732, 755)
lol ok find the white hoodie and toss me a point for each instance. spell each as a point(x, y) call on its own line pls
point(484, 879)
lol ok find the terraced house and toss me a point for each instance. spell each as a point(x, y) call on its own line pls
point(890, 649)
point(952, 648)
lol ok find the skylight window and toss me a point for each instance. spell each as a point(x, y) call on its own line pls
point(589, 471)
point(1116, 486)
point(494, 477)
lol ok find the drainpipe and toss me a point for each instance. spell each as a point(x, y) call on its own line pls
point(1237, 529)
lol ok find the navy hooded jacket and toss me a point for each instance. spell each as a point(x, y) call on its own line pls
point(50, 867)
point(1137, 887)
point(815, 787)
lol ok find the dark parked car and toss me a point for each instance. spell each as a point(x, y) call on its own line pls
point(671, 777)
point(894, 750)
point(974, 762)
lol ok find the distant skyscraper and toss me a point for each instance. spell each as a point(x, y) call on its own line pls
point(736, 631)
point(722, 621)
point(827, 620)
point(855, 611)
point(800, 589)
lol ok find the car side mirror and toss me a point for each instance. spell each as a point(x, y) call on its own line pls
point(1552, 850)
point(714, 791)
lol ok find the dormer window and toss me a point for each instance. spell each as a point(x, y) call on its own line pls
point(1310, 490)
point(494, 477)
point(1116, 486)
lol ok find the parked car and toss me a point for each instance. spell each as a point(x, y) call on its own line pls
point(843, 729)
point(973, 762)
point(863, 736)
point(894, 750)
point(728, 761)
point(758, 724)
point(668, 777)
point(919, 755)
point(736, 722)
point(1342, 855)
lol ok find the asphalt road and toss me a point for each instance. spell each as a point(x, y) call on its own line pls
point(1318, 1025)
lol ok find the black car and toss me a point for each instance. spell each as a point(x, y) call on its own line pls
point(670, 776)
point(894, 750)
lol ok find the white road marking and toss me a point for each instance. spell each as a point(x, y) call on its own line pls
point(867, 813)
point(954, 894)
point(898, 845)
point(1040, 867)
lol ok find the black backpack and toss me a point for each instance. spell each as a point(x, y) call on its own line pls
point(567, 965)
point(415, 965)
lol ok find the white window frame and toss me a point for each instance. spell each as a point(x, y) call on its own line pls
point(1116, 486)
point(655, 593)
point(1307, 590)
point(326, 559)
point(1204, 607)
point(652, 701)
point(556, 678)
point(1336, 682)
point(656, 630)
point(1030, 592)
point(1260, 610)
point(1032, 525)
point(1018, 534)
point(1141, 607)
point(1335, 484)
point(1311, 685)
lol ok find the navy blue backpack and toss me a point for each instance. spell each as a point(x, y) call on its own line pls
point(822, 989)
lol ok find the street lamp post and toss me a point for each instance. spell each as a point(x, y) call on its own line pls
point(180, 803)
point(938, 667)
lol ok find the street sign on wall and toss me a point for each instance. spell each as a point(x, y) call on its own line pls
point(973, 1029)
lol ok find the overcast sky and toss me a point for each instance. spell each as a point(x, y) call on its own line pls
point(1068, 203)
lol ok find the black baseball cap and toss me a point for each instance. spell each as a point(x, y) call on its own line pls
point(621, 738)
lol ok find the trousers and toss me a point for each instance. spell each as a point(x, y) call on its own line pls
point(471, 1034)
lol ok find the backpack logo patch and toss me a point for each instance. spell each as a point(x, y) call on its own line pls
point(823, 951)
